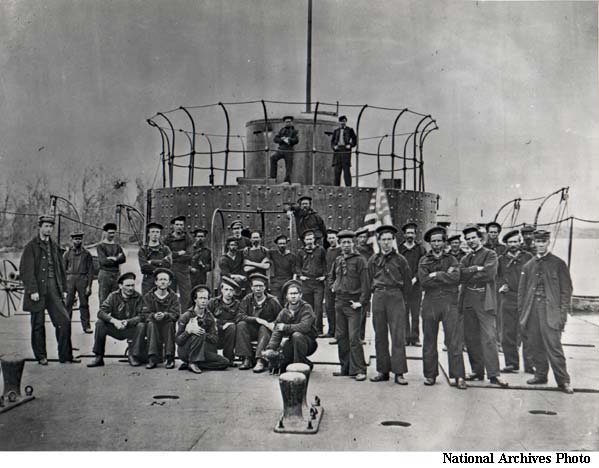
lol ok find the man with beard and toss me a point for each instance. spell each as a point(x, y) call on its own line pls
point(544, 301)
point(79, 267)
point(152, 256)
point(257, 314)
point(286, 138)
point(181, 247)
point(312, 271)
point(390, 282)
point(255, 257)
point(366, 251)
point(528, 244)
point(284, 266)
point(225, 309)
point(201, 258)
point(329, 296)
point(294, 334)
point(44, 281)
point(236, 228)
point(161, 310)
point(306, 219)
point(478, 303)
point(455, 247)
point(509, 272)
point(349, 278)
point(439, 275)
point(121, 317)
point(342, 141)
point(412, 251)
point(197, 335)
point(110, 256)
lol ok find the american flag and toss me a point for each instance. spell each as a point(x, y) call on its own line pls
point(378, 214)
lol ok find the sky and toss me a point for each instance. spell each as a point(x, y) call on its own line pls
point(512, 85)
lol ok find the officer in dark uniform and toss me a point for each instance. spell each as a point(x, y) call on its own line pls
point(528, 244)
point(79, 267)
point(153, 255)
point(286, 138)
point(343, 140)
point(181, 246)
point(201, 258)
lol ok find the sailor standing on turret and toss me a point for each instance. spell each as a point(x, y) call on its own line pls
point(286, 138)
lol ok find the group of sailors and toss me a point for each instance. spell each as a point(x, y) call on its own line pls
point(270, 304)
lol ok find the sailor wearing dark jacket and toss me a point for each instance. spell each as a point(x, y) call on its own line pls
point(79, 267)
point(43, 275)
point(478, 303)
point(121, 317)
point(197, 336)
point(439, 276)
point(286, 138)
point(161, 309)
point(181, 246)
point(544, 301)
point(152, 256)
point(343, 140)
point(225, 309)
point(294, 334)
point(110, 257)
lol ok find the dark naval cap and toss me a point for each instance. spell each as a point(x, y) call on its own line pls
point(157, 271)
point(386, 228)
point(304, 197)
point(346, 234)
point(229, 282)
point(258, 277)
point(287, 117)
point(306, 232)
point(508, 235)
point(527, 228)
point(444, 224)
point(109, 227)
point(541, 234)
point(154, 225)
point(342, 118)
point(126, 276)
point(454, 237)
point(197, 288)
point(281, 236)
point(362, 230)
point(77, 235)
point(493, 224)
point(408, 225)
point(332, 231)
point(471, 228)
point(45, 219)
point(178, 218)
point(292, 282)
point(231, 239)
point(202, 229)
point(434, 230)
point(235, 224)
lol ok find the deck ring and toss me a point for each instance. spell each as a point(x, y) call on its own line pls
point(545, 412)
point(28, 390)
point(396, 423)
point(166, 397)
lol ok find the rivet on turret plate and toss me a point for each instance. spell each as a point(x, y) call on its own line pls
point(229, 205)
point(278, 216)
point(278, 193)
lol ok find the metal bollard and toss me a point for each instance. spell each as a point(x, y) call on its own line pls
point(297, 417)
point(305, 370)
point(12, 372)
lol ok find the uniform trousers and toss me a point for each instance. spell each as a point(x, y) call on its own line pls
point(137, 334)
point(510, 337)
point(147, 283)
point(226, 341)
point(329, 302)
point(60, 320)
point(364, 311)
point(342, 163)
point(412, 320)
point(479, 334)
point(313, 294)
point(499, 321)
point(107, 282)
point(351, 352)
point(76, 285)
point(442, 308)
point(296, 348)
point(161, 337)
point(389, 316)
point(287, 155)
point(248, 331)
point(198, 351)
point(546, 344)
point(276, 289)
point(182, 283)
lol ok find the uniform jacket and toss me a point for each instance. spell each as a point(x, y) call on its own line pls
point(223, 313)
point(249, 310)
point(79, 262)
point(207, 322)
point(413, 256)
point(33, 269)
point(290, 132)
point(304, 321)
point(349, 137)
point(312, 264)
point(169, 305)
point(470, 277)
point(106, 250)
point(175, 244)
point(117, 307)
point(309, 220)
point(558, 289)
point(153, 257)
point(231, 266)
point(283, 266)
point(498, 247)
point(444, 283)
point(201, 258)
point(509, 271)
point(349, 276)
point(389, 271)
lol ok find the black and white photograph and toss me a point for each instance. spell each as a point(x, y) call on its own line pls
point(300, 226)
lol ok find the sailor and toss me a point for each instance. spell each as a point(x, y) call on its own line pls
point(528, 244)
point(349, 278)
point(79, 267)
point(255, 257)
point(257, 314)
point(286, 138)
point(365, 249)
point(121, 317)
point(225, 309)
point(197, 335)
point(306, 219)
point(509, 272)
point(110, 256)
point(493, 230)
point(455, 247)
point(162, 310)
point(44, 281)
point(390, 282)
point(343, 140)
point(284, 266)
point(412, 251)
point(544, 298)
point(181, 246)
point(294, 334)
point(329, 296)
point(439, 276)
point(478, 304)
point(312, 271)
point(153, 255)
point(231, 263)
point(236, 228)
point(201, 258)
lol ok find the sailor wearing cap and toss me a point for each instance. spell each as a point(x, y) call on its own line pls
point(343, 140)
point(527, 231)
point(544, 298)
point(44, 279)
point(161, 311)
point(439, 276)
point(493, 230)
point(390, 283)
point(284, 265)
point(110, 257)
point(509, 272)
point(255, 257)
point(349, 278)
point(197, 335)
point(257, 314)
point(231, 263)
point(478, 304)
point(181, 245)
point(412, 251)
point(79, 267)
point(455, 246)
point(236, 228)
point(225, 309)
point(294, 334)
point(201, 258)
point(153, 255)
point(366, 250)
point(306, 219)
point(121, 317)
point(332, 253)
point(286, 138)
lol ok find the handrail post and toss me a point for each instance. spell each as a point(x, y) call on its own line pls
point(405, 161)
point(314, 143)
point(226, 142)
point(414, 160)
point(358, 143)
point(192, 153)
point(211, 176)
point(571, 236)
point(423, 136)
point(163, 154)
point(172, 155)
point(378, 156)
point(393, 142)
